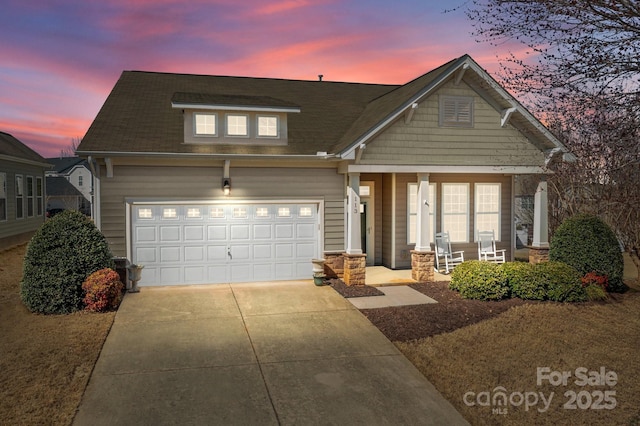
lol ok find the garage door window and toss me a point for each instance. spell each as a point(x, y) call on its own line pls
point(284, 212)
point(216, 213)
point(239, 212)
point(170, 213)
point(262, 212)
point(194, 213)
point(145, 213)
point(305, 212)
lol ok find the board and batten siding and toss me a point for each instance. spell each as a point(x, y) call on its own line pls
point(205, 184)
point(423, 141)
point(17, 231)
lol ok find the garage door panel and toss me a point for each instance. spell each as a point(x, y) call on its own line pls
point(191, 244)
point(239, 232)
point(170, 254)
point(194, 233)
point(169, 233)
point(262, 251)
point(284, 231)
point(194, 253)
point(217, 253)
point(262, 232)
point(145, 234)
point(145, 255)
point(217, 232)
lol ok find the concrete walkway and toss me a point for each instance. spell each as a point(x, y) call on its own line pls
point(253, 354)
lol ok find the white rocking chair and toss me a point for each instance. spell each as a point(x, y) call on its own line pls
point(445, 255)
point(487, 248)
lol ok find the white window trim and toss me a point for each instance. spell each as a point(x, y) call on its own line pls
point(31, 199)
point(19, 195)
point(443, 99)
point(413, 186)
point(259, 135)
point(496, 232)
point(215, 125)
point(247, 125)
point(466, 213)
point(3, 194)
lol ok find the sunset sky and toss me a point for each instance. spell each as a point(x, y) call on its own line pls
point(60, 58)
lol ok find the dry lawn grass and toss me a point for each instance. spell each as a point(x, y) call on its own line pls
point(506, 351)
point(45, 361)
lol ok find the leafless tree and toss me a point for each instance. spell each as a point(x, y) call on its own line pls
point(70, 151)
point(576, 64)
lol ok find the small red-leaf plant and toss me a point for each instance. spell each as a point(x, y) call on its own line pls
point(593, 278)
point(103, 290)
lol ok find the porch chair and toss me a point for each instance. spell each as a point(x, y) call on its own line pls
point(487, 248)
point(444, 253)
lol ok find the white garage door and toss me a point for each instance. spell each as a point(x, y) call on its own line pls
point(200, 244)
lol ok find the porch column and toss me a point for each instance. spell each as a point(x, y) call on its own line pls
point(422, 214)
point(539, 250)
point(354, 242)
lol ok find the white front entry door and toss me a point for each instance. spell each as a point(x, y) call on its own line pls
point(208, 244)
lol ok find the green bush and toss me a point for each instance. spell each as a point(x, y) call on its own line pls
point(595, 292)
point(523, 281)
point(589, 245)
point(563, 282)
point(61, 255)
point(102, 290)
point(475, 279)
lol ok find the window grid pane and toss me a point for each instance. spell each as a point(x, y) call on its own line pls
point(455, 205)
point(487, 207)
point(205, 124)
point(268, 126)
point(237, 125)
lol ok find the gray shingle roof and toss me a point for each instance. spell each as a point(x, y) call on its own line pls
point(59, 186)
point(12, 147)
point(65, 164)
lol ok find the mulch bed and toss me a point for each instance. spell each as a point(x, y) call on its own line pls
point(352, 290)
point(403, 323)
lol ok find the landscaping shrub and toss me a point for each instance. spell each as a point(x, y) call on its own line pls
point(475, 279)
point(103, 290)
point(523, 282)
point(563, 282)
point(589, 245)
point(61, 255)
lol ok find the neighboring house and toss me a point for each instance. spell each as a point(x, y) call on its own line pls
point(76, 171)
point(61, 195)
point(22, 189)
point(206, 179)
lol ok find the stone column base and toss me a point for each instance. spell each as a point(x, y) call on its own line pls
point(422, 265)
point(538, 254)
point(354, 268)
point(334, 264)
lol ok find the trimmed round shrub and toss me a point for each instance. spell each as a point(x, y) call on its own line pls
point(60, 256)
point(589, 245)
point(103, 290)
point(563, 282)
point(523, 282)
point(475, 279)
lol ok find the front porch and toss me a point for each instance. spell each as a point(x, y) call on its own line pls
point(379, 276)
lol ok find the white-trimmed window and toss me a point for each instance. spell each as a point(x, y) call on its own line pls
point(19, 197)
point(3, 196)
point(30, 198)
point(456, 111)
point(487, 208)
point(79, 180)
point(455, 211)
point(204, 124)
point(412, 211)
point(237, 125)
point(39, 196)
point(267, 126)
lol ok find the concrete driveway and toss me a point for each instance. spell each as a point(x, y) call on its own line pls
point(253, 354)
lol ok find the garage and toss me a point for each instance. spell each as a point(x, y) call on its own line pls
point(181, 243)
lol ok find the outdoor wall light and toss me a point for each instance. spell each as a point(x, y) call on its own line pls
point(226, 186)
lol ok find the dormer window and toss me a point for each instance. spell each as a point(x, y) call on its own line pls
point(267, 126)
point(237, 125)
point(204, 124)
point(233, 119)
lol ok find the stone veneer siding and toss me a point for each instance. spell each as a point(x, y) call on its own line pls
point(354, 269)
point(334, 264)
point(422, 265)
point(538, 255)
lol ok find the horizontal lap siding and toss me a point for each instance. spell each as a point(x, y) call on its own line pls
point(423, 141)
point(205, 183)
